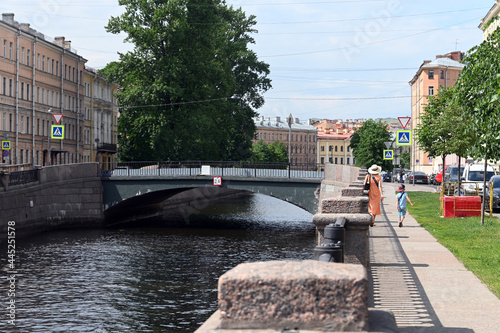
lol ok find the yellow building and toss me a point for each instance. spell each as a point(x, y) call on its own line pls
point(333, 143)
point(487, 24)
point(101, 119)
point(39, 77)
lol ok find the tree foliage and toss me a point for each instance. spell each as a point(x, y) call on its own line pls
point(189, 58)
point(274, 152)
point(368, 144)
point(478, 93)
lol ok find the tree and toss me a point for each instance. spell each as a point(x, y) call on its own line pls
point(442, 129)
point(368, 144)
point(274, 152)
point(478, 93)
point(189, 58)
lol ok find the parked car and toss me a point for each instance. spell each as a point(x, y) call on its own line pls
point(432, 179)
point(419, 176)
point(473, 176)
point(451, 177)
point(387, 177)
point(495, 181)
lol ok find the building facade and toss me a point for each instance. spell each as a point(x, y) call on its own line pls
point(430, 77)
point(100, 113)
point(333, 142)
point(488, 25)
point(299, 137)
point(39, 77)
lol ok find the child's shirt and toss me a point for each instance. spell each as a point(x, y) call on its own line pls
point(401, 196)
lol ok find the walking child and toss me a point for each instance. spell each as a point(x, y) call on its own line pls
point(401, 198)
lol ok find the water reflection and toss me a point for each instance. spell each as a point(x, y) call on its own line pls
point(150, 280)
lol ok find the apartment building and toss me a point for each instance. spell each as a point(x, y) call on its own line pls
point(39, 77)
point(334, 138)
point(298, 136)
point(441, 72)
point(100, 114)
point(487, 24)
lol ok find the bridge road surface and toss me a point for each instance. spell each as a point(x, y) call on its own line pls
point(420, 281)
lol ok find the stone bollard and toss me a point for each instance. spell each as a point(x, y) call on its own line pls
point(352, 204)
point(293, 296)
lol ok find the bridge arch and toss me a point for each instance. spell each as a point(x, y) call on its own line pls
point(155, 196)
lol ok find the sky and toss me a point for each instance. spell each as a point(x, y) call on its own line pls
point(329, 59)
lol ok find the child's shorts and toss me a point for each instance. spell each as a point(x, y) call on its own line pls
point(401, 212)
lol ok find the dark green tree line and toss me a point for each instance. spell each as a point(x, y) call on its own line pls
point(189, 58)
point(368, 144)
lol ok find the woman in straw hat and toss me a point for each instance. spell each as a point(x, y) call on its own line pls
point(375, 193)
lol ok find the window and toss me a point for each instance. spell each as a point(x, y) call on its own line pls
point(442, 74)
point(43, 64)
point(5, 48)
point(28, 91)
point(336, 160)
point(348, 160)
point(38, 61)
point(431, 75)
point(336, 150)
point(22, 90)
point(322, 148)
point(5, 86)
point(10, 50)
point(341, 148)
point(28, 58)
point(10, 87)
point(342, 160)
point(431, 91)
point(22, 55)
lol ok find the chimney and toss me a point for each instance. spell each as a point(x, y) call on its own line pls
point(297, 121)
point(8, 18)
point(59, 41)
point(277, 119)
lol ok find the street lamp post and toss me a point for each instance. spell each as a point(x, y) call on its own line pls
point(48, 139)
point(289, 120)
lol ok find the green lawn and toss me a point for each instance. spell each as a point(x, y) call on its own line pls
point(476, 246)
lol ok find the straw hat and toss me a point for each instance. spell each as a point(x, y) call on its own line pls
point(374, 169)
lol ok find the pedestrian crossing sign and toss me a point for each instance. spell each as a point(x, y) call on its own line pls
point(404, 138)
point(388, 154)
point(57, 132)
point(5, 145)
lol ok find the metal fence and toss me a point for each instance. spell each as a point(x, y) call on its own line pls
point(465, 198)
point(23, 177)
point(208, 168)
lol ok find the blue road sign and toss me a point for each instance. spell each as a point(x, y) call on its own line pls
point(6, 145)
point(57, 132)
point(388, 154)
point(404, 138)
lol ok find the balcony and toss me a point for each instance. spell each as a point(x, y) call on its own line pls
point(106, 147)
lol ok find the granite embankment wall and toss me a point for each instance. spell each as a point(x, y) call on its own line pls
point(66, 196)
point(337, 177)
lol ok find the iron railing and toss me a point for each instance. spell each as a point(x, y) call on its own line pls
point(23, 177)
point(212, 168)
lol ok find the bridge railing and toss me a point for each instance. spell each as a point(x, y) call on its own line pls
point(212, 168)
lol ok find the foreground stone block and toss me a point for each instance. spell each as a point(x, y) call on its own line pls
point(348, 205)
point(294, 295)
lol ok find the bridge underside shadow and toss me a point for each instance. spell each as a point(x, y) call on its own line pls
point(127, 201)
point(167, 208)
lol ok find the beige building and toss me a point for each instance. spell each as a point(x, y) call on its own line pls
point(442, 72)
point(39, 77)
point(299, 138)
point(334, 138)
point(487, 25)
point(100, 115)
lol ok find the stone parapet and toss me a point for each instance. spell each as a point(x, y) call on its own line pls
point(300, 295)
point(347, 205)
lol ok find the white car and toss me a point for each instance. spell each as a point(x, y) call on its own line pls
point(473, 176)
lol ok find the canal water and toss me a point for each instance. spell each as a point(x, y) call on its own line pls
point(149, 279)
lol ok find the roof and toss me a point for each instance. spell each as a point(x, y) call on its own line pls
point(277, 123)
point(444, 62)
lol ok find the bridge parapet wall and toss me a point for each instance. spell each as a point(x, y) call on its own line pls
point(351, 203)
point(65, 196)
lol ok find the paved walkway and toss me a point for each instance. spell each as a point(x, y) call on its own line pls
point(421, 282)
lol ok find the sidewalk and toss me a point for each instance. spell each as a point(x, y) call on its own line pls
point(421, 282)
